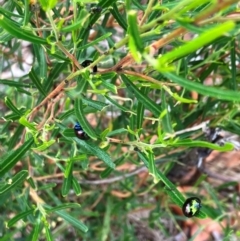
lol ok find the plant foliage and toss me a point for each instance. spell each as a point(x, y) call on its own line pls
point(154, 70)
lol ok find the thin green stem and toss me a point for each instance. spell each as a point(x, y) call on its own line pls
point(147, 12)
point(26, 12)
point(54, 28)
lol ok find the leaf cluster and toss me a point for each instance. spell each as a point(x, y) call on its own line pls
point(154, 71)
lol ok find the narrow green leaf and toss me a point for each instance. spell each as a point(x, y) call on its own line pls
point(98, 105)
point(104, 134)
point(166, 120)
point(214, 92)
point(13, 83)
point(66, 185)
point(10, 160)
point(82, 85)
point(80, 157)
point(40, 54)
point(115, 103)
point(95, 150)
point(32, 183)
point(15, 137)
point(201, 214)
point(23, 120)
point(128, 4)
point(36, 231)
point(134, 31)
point(44, 146)
point(18, 217)
point(117, 132)
point(131, 127)
point(5, 36)
point(106, 3)
point(193, 143)
point(189, 25)
point(106, 230)
point(69, 133)
point(12, 117)
point(183, 100)
point(174, 195)
point(66, 114)
point(140, 110)
point(195, 44)
point(69, 169)
point(61, 207)
point(18, 32)
point(152, 167)
point(48, 4)
point(120, 18)
point(76, 186)
point(145, 100)
point(74, 26)
point(109, 86)
point(213, 67)
point(13, 182)
point(95, 41)
point(26, 18)
point(48, 234)
point(144, 158)
point(33, 76)
point(73, 221)
point(8, 12)
point(12, 107)
point(67, 181)
point(78, 108)
point(138, 5)
point(233, 65)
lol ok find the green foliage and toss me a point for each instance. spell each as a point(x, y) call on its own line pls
point(48, 4)
point(137, 110)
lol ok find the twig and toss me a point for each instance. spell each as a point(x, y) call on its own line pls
point(218, 176)
point(109, 180)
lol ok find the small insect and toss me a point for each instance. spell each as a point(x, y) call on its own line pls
point(191, 207)
point(79, 132)
point(87, 62)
